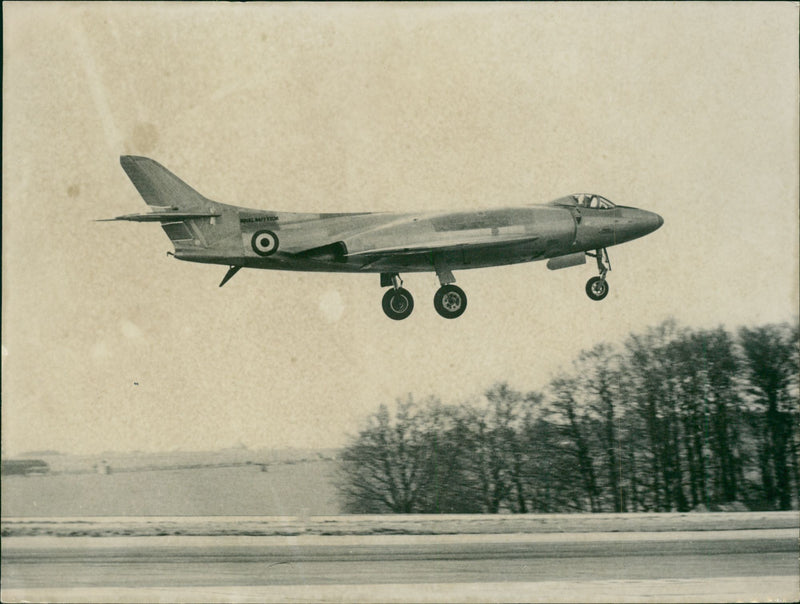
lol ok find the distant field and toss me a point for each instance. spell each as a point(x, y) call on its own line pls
point(285, 489)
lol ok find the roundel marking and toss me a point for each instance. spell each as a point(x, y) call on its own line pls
point(264, 243)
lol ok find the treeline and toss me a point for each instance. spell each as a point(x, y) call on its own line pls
point(674, 419)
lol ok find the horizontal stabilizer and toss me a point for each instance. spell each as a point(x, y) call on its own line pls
point(162, 216)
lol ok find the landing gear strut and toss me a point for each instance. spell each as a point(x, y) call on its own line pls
point(397, 302)
point(597, 287)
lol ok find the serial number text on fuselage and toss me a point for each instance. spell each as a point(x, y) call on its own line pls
point(258, 219)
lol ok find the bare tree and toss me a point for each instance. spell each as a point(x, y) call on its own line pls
point(449, 486)
point(382, 470)
point(599, 383)
point(654, 381)
point(770, 355)
point(577, 428)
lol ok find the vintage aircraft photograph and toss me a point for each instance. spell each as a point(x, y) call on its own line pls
point(564, 231)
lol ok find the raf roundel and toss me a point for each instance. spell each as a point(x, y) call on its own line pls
point(264, 243)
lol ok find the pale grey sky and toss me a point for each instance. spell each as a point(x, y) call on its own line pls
point(688, 110)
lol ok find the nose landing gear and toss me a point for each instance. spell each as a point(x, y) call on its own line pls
point(597, 287)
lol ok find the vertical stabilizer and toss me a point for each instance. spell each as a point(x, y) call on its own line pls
point(159, 187)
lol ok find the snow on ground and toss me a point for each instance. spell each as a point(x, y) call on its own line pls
point(396, 524)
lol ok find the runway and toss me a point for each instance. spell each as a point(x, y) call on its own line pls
point(744, 565)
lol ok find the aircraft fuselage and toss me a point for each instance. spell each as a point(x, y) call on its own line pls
point(369, 242)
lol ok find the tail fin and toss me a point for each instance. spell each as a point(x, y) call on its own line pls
point(191, 221)
point(159, 187)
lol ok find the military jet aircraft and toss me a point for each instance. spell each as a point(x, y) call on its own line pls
point(564, 231)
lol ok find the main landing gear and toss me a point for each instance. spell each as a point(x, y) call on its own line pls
point(597, 287)
point(450, 301)
point(397, 302)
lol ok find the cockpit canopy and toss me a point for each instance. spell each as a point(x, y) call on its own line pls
point(593, 201)
point(585, 200)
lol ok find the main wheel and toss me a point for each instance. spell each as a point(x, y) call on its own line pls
point(398, 303)
point(597, 288)
point(450, 301)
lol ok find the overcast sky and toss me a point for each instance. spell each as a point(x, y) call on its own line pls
point(688, 110)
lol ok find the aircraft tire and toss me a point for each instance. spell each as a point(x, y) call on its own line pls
point(597, 288)
point(450, 301)
point(398, 303)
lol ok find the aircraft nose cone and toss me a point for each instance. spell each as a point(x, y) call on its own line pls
point(659, 221)
point(639, 223)
point(649, 221)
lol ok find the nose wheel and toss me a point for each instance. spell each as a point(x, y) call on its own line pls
point(597, 287)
